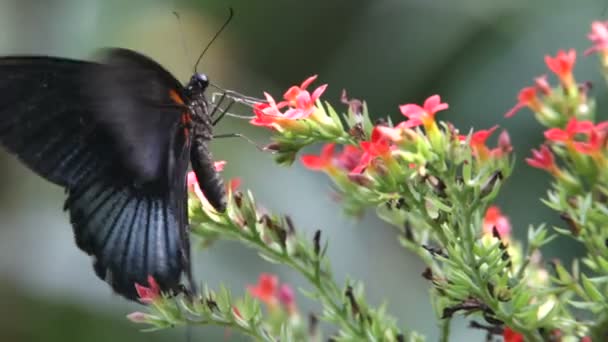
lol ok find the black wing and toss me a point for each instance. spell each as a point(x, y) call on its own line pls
point(105, 132)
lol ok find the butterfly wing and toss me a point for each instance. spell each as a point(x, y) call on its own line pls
point(43, 118)
point(105, 135)
point(137, 101)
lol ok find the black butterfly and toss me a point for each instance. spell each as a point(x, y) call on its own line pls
point(117, 135)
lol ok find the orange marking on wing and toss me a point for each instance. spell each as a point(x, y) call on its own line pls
point(185, 122)
point(175, 97)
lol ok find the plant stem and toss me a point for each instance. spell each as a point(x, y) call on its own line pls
point(324, 295)
point(444, 325)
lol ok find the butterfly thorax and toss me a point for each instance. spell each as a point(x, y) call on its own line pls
point(199, 108)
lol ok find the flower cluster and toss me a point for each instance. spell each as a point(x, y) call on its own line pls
point(436, 186)
point(574, 154)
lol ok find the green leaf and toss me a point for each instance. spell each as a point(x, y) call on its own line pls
point(591, 290)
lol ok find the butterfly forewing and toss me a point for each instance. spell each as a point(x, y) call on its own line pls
point(111, 134)
point(133, 97)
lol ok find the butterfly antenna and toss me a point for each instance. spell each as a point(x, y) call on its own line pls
point(181, 34)
point(217, 34)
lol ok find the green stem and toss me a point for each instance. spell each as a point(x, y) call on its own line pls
point(248, 331)
point(445, 325)
point(327, 299)
point(484, 295)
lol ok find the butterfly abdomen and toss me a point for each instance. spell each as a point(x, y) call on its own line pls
point(209, 179)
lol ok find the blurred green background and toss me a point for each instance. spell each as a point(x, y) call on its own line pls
point(476, 53)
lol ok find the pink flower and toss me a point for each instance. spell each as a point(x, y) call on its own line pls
point(562, 65)
point(495, 219)
point(192, 182)
point(219, 165)
point(543, 159)
point(395, 134)
point(599, 37)
point(287, 298)
point(424, 115)
point(137, 317)
point(263, 119)
point(504, 143)
point(299, 102)
point(148, 295)
point(542, 84)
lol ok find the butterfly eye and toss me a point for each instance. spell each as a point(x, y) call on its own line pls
point(202, 78)
point(198, 83)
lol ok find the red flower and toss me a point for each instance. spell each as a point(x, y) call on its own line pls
point(481, 150)
point(596, 140)
point(233, 184)
point(378, 146)
point(147, 295)
point(324, 161)
point(599, 37)
point(422, 115)
point(270, 293)
point(478, 142)
point(510, 335)
point(349, 158)
point(526, 98)
point(574, 129)
point(266, 289)
point(543, 159)
point(495, 218)
point(329, 161)
point(562, 66)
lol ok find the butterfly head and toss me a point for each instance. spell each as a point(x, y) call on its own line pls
point(198, 84)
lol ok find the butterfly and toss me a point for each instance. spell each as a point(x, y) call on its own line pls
point(118, 135)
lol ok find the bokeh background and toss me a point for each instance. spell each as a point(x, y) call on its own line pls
point(476, 53)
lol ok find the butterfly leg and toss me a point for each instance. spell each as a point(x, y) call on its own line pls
point(224, 112)
point(217, 104)
point(242, 136)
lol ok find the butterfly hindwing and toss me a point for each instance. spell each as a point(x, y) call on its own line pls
point(108, 132)
point(130, 233)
